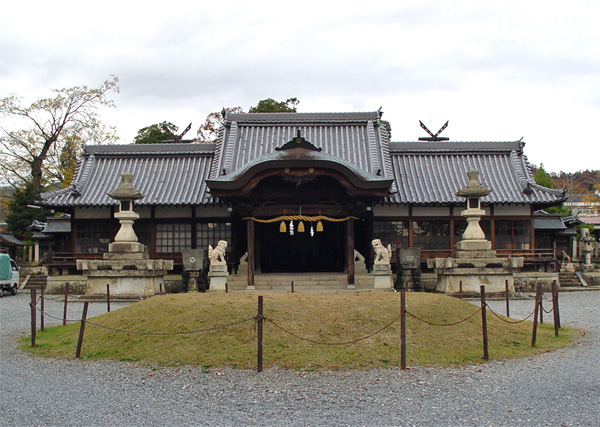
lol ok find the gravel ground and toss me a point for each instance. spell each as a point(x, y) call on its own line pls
point(560, 388)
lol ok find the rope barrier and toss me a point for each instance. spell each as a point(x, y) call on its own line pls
point(54, 317)
point(196, 331)
point(510, 321)
point(442, 324)
point(332, 343)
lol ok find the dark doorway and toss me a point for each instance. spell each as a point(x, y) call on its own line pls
point(301, 252)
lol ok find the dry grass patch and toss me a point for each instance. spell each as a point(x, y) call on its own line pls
point(328, 318)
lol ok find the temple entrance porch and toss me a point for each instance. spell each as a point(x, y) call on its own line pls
point(300, 252)
point(302, 282)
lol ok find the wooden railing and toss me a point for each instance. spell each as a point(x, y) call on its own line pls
point(528, 254)
point(69, 259)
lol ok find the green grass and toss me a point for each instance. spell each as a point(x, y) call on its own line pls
point(327, 318)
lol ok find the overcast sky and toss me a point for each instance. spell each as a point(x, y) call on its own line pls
point(498, 71)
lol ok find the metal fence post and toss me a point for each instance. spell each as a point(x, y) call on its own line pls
point(538, 296)
point(33, 317)
point(81, 329)
point(108, 297)
point(403, 329)
point(507, 299)
point(259, 346)
point(484, 323)
point(555, 308)
point(66, 303)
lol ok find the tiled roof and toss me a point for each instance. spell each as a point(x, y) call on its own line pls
point(543, 220)
point(423, 172)
point(167, 174)
point(353, 137)
point(9, 240)
point(427, 172)
point(312, 158)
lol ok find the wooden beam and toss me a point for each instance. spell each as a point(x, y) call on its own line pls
point(350, 250)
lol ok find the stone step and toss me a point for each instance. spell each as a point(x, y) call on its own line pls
point(568, 279)
point(313, 281)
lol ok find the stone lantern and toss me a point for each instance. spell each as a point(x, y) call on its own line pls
point(586, 241)
point(473, 237)
point(126, 267)
point(126, 240)
point(474, 263)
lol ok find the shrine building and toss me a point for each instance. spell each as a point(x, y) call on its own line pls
point(299, 193)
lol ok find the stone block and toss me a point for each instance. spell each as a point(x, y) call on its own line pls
point(473, 245)
point(126, 247)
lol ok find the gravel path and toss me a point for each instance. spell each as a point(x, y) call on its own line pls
point(559, 388)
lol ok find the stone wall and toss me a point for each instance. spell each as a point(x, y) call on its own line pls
point(527, 281)
point(78, 284)
point(592, 278)
point(57, 284)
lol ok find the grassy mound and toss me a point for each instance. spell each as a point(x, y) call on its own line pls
point(329, 318)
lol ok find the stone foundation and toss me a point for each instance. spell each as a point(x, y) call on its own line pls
point(527, 282)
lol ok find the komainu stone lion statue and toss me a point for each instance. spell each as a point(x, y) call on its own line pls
point(216, 256)
point(382, 254)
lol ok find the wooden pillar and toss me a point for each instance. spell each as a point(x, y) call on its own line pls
point(350, 251)
point(250, 230)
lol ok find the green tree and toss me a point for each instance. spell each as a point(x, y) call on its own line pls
point(20, 215)
point(32, 134)
point(269, 105)
point(541, 177)
point(156, 133)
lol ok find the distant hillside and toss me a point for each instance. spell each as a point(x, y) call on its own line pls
point(581, 182)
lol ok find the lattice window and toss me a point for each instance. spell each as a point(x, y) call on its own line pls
point(513, 234)
point(209, 233)
point(392, 232)
point(173, 237)
point(431, 234)
point(92, 237)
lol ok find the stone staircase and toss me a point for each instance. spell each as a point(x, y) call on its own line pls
point(303, 282)
point(34, 281)
point(568, 279)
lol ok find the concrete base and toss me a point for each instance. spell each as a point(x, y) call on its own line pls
point(143, 287)
point(218, 278)
point(382, 276)
point(450, 283)
point(126, 277)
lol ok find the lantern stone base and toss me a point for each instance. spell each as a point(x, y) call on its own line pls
point(382, 276)
point(474, 266)
point(218, 278)
point(127, 277)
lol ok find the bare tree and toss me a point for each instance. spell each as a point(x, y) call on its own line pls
point(34, 138)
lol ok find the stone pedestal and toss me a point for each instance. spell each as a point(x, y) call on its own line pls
point(135, 278)
point(474, 265)
point(382, 276)
point(218, 278)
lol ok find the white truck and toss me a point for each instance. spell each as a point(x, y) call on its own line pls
point(9, 275)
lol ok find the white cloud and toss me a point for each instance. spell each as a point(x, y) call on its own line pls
point(497, 71)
